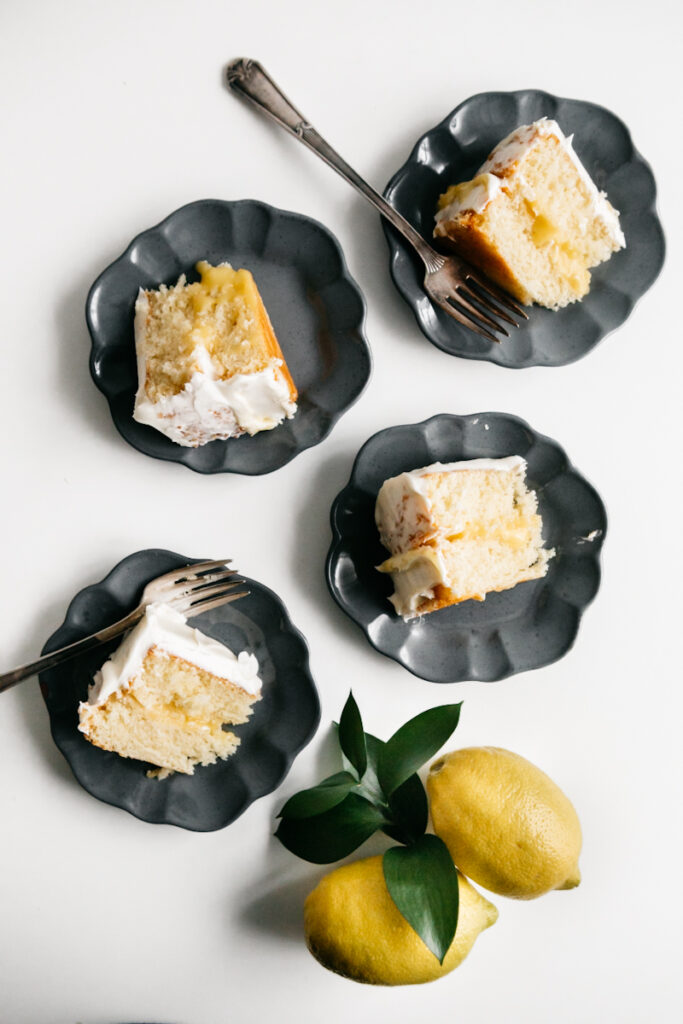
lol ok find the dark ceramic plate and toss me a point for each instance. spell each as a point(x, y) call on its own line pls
point(512, 631)
point(316, 308)
point(283, 721)
point(455, 149)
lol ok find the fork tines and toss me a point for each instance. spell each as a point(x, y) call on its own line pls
point(482, 300)
point(208, 590)
point(476, 302)
point(501, 296)
point(192, 573)
point(224, 596)
point(201, 587)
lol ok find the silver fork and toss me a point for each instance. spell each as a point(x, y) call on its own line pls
point(192, 590)
point(458, 288)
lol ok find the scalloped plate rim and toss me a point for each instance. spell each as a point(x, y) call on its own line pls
point(338, 537)
point(398, 248)
point(288, 755)
point(98, 347)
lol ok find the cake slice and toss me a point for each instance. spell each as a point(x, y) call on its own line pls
point(166, 692)
point(209, 364)
point(457, 531)
point(531, 218)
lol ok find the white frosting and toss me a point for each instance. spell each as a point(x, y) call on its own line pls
point(505, 465)
point(485, 187)
point(417, 582)
point(515, 146)
point(209, 408)
point(402, 511)
point(512, 150)
point(166, 629)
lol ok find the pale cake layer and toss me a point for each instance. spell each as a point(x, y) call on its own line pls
point(171, 714)
point(458, 532)
point(209, 364)
point(532, 219)
point(224, 315)
point(167, 739)
point(164, 628)
point(170, 683)
point(166, 693)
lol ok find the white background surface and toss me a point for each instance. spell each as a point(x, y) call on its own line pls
point(113, 116)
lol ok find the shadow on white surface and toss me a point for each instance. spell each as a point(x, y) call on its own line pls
point(278, 910)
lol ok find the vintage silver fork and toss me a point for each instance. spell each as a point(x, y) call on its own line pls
point(192, 590)
point(458, 288)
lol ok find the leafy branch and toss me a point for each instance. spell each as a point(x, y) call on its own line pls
point(379, 790)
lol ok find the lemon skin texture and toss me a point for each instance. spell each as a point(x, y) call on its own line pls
point(507, 826)
point(354, 928)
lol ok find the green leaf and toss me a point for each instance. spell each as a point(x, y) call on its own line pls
point(333, 834)
point(407, 807)
point(423, 883)
point(352, 737)
point(370, 786)
point(409, 810)
point(414, 743)
point(327, 794)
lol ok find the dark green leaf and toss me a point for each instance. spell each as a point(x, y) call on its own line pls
point(322, 797)
point(409, 811)
point(334, 834)
point(370, 786)
point(423, 883)
point(414, 743)
point(352, 737)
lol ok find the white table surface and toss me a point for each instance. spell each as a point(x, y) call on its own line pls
point(115, 114)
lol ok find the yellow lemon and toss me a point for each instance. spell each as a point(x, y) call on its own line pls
point(507, 826)
point(354, 928)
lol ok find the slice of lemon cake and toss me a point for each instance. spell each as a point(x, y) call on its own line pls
point(166, 692)
point(458, 531)
point(209, 364)
point(532, 218)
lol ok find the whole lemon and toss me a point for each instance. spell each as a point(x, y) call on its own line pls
point(507, 826)
point(354, 928)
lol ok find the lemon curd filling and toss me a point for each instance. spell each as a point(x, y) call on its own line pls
point(209, 364)
point(222, 283)
point(220, 288)
point(224, 320)
point(463, 191)
point(457, 531)
point(470, 195)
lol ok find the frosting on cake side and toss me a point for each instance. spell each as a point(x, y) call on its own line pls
point(166, 629)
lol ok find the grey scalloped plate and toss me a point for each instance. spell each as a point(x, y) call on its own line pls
point(282, 723)
point(516, 630)
point(455, 149)
point(316, 308)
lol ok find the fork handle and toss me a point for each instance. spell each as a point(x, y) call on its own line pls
point(250, 79)
point(70, 651)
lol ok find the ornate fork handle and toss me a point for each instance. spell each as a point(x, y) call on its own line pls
point(70, 651)
point(248, 78)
